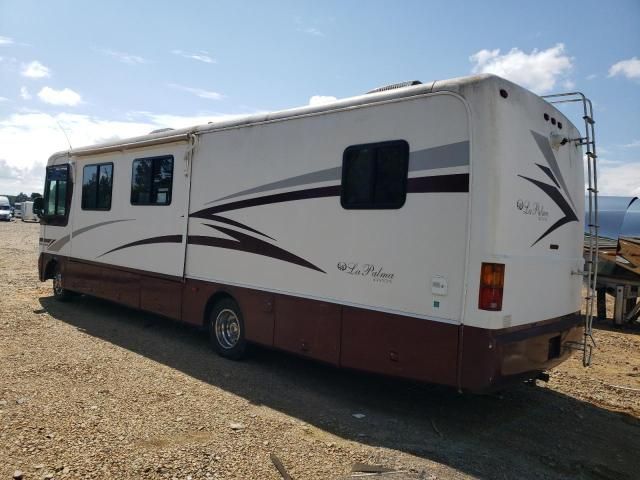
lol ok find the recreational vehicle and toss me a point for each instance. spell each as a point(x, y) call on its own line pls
point(427, 231)
point(28, 215)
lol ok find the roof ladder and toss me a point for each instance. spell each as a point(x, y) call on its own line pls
point(591, 273)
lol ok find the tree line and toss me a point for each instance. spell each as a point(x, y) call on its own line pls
point(22, 197)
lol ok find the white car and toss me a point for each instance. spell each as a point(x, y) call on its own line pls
point(5, 211)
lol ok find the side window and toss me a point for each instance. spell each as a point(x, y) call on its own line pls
point(97, 185)
point(55, 192)
point(152, 181)
point(374, 176)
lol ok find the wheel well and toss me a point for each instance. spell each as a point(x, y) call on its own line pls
point(215, 298)
point(50, 269)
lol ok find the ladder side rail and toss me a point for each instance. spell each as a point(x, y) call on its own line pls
point(592, 212)
point(593, 226)
point(595, 204)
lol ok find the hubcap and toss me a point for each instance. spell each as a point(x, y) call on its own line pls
point(227, 328)
point(57, 283)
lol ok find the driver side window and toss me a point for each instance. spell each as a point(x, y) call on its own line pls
point(56, 202)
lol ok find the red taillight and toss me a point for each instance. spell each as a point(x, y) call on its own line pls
point(491, 285)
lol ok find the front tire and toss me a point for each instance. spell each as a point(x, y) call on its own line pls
point(226, 330)
point(61, 294)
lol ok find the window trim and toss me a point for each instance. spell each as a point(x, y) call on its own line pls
point(113, 168)
point(55, 219)
point(376, 146)
point(143, 204)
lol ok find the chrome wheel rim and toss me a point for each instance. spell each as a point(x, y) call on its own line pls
point(57, 284)
point(227, 328)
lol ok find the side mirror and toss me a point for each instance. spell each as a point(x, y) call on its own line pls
point(38, 206)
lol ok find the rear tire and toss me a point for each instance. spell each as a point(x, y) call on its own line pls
point(61, 294)
point(226, 330)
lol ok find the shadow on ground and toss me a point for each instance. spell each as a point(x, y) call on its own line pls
point(608, 325)
point(523, 432)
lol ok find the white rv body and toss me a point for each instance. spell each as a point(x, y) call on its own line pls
point(27, 212)
point(256, 214)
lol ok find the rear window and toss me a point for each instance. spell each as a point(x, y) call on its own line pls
point(374, 176)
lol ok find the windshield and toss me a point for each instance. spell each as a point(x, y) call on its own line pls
point(5, 207)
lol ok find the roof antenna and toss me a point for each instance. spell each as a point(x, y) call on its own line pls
point(65, 133)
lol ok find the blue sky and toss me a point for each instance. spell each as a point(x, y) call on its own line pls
point(101, 70)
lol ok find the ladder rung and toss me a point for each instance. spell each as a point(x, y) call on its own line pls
point(591, 154)
point(588, 119)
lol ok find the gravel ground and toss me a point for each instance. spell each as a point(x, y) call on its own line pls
point(89, 389)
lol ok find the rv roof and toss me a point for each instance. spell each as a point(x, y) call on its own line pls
point(168, 135)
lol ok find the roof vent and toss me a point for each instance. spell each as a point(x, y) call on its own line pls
point(160, 130)
point(393, 86)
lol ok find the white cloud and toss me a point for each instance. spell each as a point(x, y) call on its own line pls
point(14, 180)
point(629, 68)
point(321, 99)
point(24, 93)
point(3, 99)
point(311, 31)
point(621, 179)
point(201, 56)
point(633, 144)
point(591, 76)
point(35, 70)
point(199, 92)
point(124, 57)
point(539, 70)
point(65, 96)
point(5, 40)
point(22, 159)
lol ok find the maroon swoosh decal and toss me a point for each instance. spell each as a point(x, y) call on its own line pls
point(246, 243)
point(430, 184)
point(555, 195)
point(147, 241)
point(319, 192)
point(439, 183)
point(228, 221)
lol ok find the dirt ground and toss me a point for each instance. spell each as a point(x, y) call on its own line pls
point(89, 389)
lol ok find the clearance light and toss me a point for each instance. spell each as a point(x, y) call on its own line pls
point(491, 285)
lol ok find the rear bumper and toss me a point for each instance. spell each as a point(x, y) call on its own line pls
point(493, 358)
